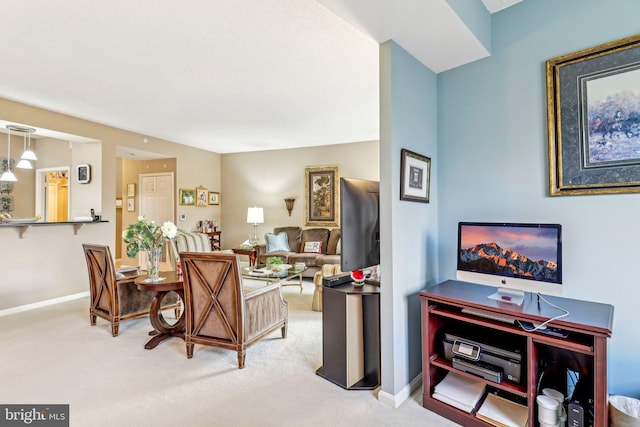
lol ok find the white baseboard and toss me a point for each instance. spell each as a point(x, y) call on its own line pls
point(26, 307)
point(395, 400)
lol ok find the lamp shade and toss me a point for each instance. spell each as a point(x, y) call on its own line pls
point(255, 215)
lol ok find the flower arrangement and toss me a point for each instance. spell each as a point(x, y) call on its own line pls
point(145, 235)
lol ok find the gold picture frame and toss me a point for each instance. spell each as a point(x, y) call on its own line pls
point(202, 197)
point(187, 197)
point(593, 120)
point(131, 190)
point(214, 198)
point(321, 188)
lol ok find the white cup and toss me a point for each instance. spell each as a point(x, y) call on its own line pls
point(556, 395)
point(547, 410)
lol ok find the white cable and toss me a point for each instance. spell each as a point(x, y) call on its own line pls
point(540, 326)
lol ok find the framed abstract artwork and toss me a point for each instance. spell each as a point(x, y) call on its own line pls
point(321, 188)
point(593, 117)
point(415, 176)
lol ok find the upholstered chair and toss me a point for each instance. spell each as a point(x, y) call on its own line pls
point(112, 299)
point(328, 270)
point(188, 242)
point(218, 311)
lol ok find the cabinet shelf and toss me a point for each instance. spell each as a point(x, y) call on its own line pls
point(506, 385)
point(584, 350)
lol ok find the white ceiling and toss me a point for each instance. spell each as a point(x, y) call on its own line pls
point(222, 75)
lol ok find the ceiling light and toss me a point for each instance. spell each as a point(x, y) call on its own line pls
point(27, 154)
point(8, 174)
point(24, 164)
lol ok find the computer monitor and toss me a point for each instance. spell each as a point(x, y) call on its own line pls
point(512, 257)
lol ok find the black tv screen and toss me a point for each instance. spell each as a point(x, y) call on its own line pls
point(360, 223)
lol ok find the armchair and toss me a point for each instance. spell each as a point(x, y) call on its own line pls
point(112, 299)
point(219, 313)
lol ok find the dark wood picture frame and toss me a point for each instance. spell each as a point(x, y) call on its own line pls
point(321, 189)
point(593, 118)
point(415, 176)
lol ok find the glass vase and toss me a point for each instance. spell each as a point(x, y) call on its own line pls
point(153, 264)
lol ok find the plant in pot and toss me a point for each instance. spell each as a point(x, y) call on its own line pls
point(273, 261)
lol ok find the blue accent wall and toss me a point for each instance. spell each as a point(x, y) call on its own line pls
point(408, 234)
point(493, 161)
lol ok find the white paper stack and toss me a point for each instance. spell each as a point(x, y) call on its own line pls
point(459, 391)
point(502, 412)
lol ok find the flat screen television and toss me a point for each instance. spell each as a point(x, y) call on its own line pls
point(359, 223)
point(512, 257)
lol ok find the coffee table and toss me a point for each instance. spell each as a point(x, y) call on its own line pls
point(253, 273)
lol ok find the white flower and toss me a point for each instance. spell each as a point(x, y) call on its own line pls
point(141, 218)
point(169, 230)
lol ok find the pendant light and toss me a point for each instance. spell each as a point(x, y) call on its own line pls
point(8, 175)
point(27, 154)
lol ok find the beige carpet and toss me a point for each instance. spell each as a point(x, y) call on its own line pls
point(52, 355)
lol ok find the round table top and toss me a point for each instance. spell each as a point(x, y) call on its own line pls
point(171, 282)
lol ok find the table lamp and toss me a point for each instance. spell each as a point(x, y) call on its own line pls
point(255, 216)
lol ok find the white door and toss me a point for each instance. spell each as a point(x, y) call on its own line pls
point(156, 200)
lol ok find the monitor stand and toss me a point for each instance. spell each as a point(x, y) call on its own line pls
point(510, 296)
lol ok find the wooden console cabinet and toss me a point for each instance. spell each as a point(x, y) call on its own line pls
point(351, 336)
point(584, 350)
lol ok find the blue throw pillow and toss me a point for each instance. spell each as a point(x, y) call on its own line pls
point(277, 242)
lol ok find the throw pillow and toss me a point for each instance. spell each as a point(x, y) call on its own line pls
point(313, 247)
point(277, 242)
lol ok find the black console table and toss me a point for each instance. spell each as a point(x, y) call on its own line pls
point(351, 336)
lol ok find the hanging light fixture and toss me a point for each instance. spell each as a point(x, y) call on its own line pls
point(8, 174)
point(27, 154)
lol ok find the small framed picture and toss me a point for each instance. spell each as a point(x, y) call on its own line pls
point(84, 174)
point(214, 198)
point(202, 196)
point(415, 171)
point(118, 203)
point(131, 205)
point(131, 190)
point(187, 197)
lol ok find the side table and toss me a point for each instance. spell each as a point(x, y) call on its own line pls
point(251, 253)
point(162, 329)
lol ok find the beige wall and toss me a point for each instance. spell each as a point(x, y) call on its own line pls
point(266, 178)
point(49, 261)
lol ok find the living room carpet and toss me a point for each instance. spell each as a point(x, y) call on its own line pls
point(53, 355)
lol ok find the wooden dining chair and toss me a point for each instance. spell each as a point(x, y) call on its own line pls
point(113, 299)
point(218, 311)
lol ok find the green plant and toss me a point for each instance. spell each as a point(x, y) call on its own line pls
point(274, 260)
point(145, 235)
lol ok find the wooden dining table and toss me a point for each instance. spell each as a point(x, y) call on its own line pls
point(163, 330)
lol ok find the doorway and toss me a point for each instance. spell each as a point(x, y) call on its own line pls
point(53, 198)
point(156, 201)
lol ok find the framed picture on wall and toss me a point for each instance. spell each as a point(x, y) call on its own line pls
point(84, 174)
point(321, 187)
point(415, 176)
point(131, 205)
point(593, 119)
point(214, 198)
point(131, 190)
point(202, 196)
point(187, 197)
